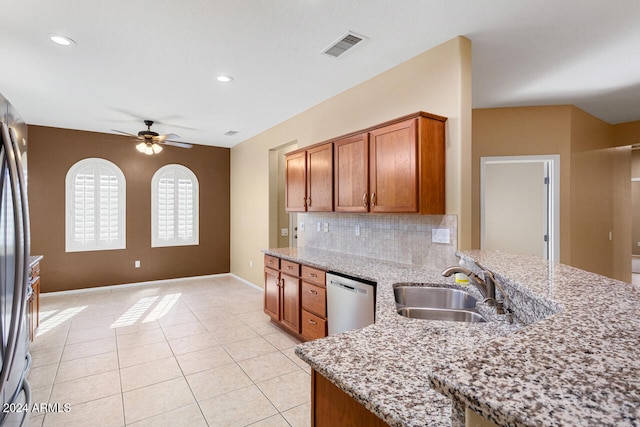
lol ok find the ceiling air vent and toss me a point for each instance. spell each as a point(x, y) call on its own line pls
point(230, 132)
point(343, 44)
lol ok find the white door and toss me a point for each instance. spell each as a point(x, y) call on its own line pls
point(518, 205)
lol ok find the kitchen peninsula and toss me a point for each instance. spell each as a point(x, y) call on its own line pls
point(572, 361)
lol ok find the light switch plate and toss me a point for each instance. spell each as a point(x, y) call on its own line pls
point(440, 235)
point(284, 232)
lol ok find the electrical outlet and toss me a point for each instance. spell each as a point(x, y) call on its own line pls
point(301, 226)
point(357, 230)
point(318, 226)
point(440, 235)
point(326, 227)
point(284, 232)
point(137, 263)
point(250, 264)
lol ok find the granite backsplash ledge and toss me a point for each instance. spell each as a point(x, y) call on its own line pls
point(406, 239)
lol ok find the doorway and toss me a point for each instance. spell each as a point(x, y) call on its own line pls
point(282, 232)
point(519, 205)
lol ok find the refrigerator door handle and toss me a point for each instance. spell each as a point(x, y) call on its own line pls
point(18, 297)
point(24, 209)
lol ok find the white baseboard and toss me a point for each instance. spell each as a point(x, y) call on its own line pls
point(147, 283)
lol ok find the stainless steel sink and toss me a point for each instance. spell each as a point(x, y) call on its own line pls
point(433, 303)
point(423, 296)
point(441, 314)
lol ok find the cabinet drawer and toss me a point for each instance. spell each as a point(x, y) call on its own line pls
point(314, 299)
point(313, 275)
point(313, 327)
point(272, 262)
point(290, 268)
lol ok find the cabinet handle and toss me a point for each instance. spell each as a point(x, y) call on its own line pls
point(373, 199)
point(313, 275)
point(309, 201)
point(304, 203)
point(312, 292)
point(278, 283)
point(364, 200)
point(313, 322)
point(289, 267)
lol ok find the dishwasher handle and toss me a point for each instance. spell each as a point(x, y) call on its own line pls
point(348, 288)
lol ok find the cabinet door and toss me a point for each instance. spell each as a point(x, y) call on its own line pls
point(272, 293)
point(290, 302)
point(320, 178)
point(394, 168)
point(296, 179)
point(352, 174)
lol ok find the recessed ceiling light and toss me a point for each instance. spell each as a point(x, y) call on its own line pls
point(224, 79)
point(61, 40)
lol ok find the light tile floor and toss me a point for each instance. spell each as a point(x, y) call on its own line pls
point(194, 353)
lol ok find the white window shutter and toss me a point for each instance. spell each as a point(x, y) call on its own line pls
point(174, 207)
point(95, 206)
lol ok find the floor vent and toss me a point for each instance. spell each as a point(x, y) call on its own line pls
point(343, 44)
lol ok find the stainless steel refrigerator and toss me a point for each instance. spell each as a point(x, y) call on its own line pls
point(14, 260)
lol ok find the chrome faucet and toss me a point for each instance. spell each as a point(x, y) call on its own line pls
point(486, 283)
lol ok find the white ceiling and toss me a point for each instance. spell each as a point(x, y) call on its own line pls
point(158, 59)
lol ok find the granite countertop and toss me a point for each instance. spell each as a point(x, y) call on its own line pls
point(580, 366)
point(386, 366)
point(575, 362)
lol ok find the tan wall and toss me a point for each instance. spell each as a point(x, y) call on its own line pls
point(437, 81)
point(53, 151)
point(635, 199)
point(592, 193)
point(594, 178)
point(524, 131)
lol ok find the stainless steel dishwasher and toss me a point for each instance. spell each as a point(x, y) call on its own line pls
point(351, 302)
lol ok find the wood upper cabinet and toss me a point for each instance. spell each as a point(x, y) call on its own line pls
point(296, 179)
point(320, 178)
point(393, 173)
point(351, 162)
point(397, 167)
point(309, 180)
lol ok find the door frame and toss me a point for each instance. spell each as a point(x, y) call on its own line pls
point(552, 168)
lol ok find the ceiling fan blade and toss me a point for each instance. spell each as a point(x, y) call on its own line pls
point(176, 143)
point(125, 133)
point(170, 136)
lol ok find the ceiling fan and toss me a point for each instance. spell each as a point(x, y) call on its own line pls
point(151, 142)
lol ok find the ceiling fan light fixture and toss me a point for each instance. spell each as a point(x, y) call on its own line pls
point(148, 150)
point(156, 148)
point(141, 147)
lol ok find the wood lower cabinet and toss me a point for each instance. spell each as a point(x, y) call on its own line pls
point(33, 304)
point(314, 303)
point(290, 302)
point(272, 293)
point(295, 297)
point(332, 407)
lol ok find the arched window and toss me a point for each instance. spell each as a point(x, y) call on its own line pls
point(174, 207)
point(95, 206)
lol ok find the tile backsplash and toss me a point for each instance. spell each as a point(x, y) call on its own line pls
point(406, 239)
